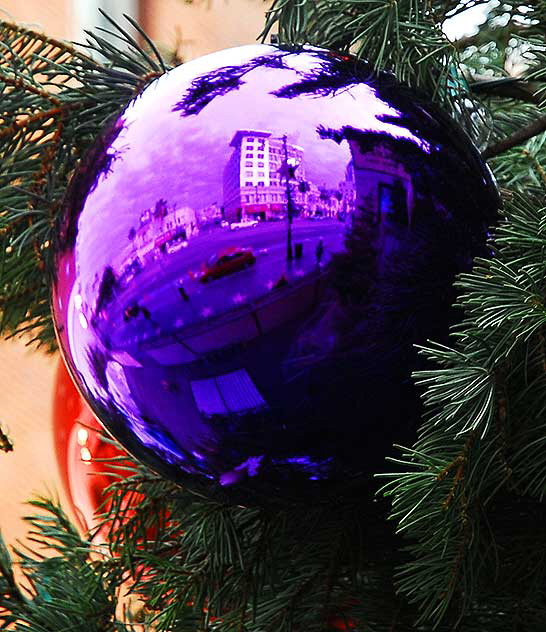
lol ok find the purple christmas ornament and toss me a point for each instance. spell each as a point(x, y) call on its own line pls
point(247, 259)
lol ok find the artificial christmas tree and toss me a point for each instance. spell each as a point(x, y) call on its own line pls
point(467, 552)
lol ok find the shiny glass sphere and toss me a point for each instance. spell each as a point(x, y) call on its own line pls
point(247, 258)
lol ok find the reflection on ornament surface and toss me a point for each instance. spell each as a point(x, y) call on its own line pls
point(247, 259)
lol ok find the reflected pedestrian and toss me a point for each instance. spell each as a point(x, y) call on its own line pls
point(319, 251)
point(183, 293)
point(281, 282)
point(131, 311)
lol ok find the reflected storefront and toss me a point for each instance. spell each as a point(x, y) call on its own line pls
point(249, 258)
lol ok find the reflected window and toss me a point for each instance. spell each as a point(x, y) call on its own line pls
point(229, 393)
point(392, 202)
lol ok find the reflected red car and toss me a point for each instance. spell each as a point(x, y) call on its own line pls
point(227, 262)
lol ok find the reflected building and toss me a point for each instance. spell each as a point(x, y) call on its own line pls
point(160, 230)
point(256, 173)
point(378, 179)
point(383, 184)
point(322, 202)
point(347, 190)
point(211, 214)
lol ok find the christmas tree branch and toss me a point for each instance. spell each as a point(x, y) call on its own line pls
point(264, 569)
point(55, 100)
point(507, 87)
point(72, 586)
point(5, 442)
point(517, 138)
point(473, 459)
point(400, 37)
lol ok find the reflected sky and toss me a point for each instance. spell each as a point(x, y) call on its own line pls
point(164, 170)
point(248, 258)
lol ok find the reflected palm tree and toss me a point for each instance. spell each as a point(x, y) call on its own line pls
point(108, 287)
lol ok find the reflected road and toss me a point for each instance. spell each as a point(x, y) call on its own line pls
point(164, 302)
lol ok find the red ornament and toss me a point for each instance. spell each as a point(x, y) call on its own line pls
point(341, 623)
point(80, 449)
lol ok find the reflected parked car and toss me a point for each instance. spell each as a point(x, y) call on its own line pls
point(227, 262)
point(245, 223)
point(175, 246)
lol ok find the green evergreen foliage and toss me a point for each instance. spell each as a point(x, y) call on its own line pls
point(54, 99)
point(455, 538)
point(71, 585)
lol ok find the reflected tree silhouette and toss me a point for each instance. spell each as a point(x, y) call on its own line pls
point(107, 289)
point(96, 164)
point(98, 361)
point(221, 81)
point(330, 75)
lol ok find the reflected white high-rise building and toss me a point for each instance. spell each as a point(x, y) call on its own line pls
point(255, 176)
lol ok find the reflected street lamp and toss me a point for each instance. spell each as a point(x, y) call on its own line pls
point(289, 173)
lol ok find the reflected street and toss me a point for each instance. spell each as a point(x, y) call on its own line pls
point(165, 305)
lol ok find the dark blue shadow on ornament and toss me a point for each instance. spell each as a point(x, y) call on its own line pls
point(247, 259)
